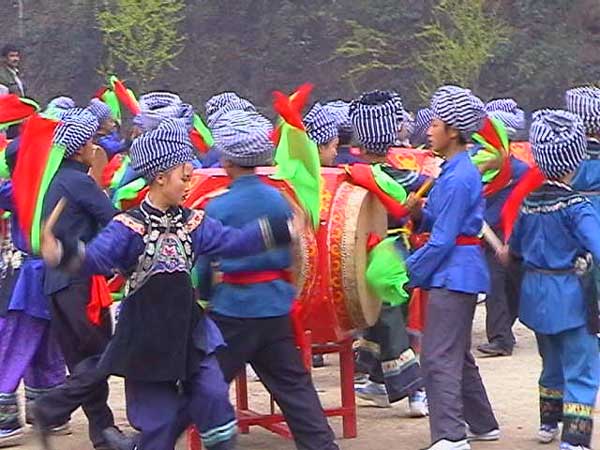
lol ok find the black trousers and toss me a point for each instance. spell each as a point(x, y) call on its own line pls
point(502, 303)
point(268, 345)
point(82, 344)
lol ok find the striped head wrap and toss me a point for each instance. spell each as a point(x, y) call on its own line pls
point(585, 102)
point(58, 106)
point(100, 110)
point(158, 106)
point(77, 127)
point(216, 102)
point(458, 108)
point(162, 148)
point(320, 124)
point(243, 137)
point(376, 118)
point(423, 121)
point(508, 112)
point(61, 102)
point(557, 141)
point(340, 111)
point(223, 103)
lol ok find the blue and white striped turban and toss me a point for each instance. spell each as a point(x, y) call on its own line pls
point(216, 102)
point(585, 102)
point(423, 121)
point(77, 127)
point(558, 141)
point(100, 110)
point(243, 137)
point(320, 125)
point(340, 110)
point(376, 118)
point(458, 108)
point(58, 106)
point(223, 103)
point(162, 148)
point(508, 112)
point(158, 106)
point(61, 102)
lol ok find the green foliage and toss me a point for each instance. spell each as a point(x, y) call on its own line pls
point(460, 40)
point(366, 50)
point(142, 34)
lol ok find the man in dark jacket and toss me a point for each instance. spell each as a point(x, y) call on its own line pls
point(9, 70)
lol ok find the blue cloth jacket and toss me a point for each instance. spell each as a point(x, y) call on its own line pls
point(248, 199)
point(455, 207)
point(587, 177)
point(28, 291)
point(88, 209)
point(556, 225)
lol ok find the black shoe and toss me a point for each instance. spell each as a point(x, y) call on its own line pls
point(116, 440)
point(41, 428)
point(318, 361)
point(493, 349)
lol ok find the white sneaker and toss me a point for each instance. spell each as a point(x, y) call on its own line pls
point(251, 375)
point(492, 435)
point(10, 438)
point(417, 404)
point(567, 446)
point(547, 433)
point(445, 444)
point(374, 393)
point(61, 430)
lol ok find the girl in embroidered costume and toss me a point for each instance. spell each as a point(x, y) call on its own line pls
point(556, 236)
point(164, 345)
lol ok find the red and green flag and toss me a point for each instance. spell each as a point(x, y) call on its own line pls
point(38, 159)
point(15, 109)
point(200, 135)
point(109, 97)
point(296, 155)
point(389, 192)
point(126, 96)
point(4, 172)
point(495, 144)
point(532, 180)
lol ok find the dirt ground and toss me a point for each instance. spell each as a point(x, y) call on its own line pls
point(511, 384)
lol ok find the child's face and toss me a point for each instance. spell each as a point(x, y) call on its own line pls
point(328, 152)
point(175, 183)
point(440, 136)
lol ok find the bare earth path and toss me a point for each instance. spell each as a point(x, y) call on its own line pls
point(511, 383)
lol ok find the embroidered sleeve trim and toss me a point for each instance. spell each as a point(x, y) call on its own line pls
point(194, 220)
point(131, 223)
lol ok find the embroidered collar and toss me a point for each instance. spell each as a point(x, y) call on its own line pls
point(551, 197)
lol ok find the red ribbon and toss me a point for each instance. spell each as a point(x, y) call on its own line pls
point(100, 299)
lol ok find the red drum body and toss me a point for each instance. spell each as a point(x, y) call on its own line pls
point(330, 264)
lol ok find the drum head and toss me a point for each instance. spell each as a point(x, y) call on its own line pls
point(356, 213)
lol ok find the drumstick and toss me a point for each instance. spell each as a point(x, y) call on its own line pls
point(491, 238)
point(424, 187)
point(55, 214)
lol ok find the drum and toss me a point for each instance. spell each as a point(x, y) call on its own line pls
point(329, 265)
point(355, 214)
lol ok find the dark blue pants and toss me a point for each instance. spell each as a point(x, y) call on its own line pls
point(268, 345)
point(162, 411)
point(502, 303)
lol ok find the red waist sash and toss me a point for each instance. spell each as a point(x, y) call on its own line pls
point(262, 276)
point(468, 240)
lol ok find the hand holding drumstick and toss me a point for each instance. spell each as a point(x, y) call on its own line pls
point(51, 248)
